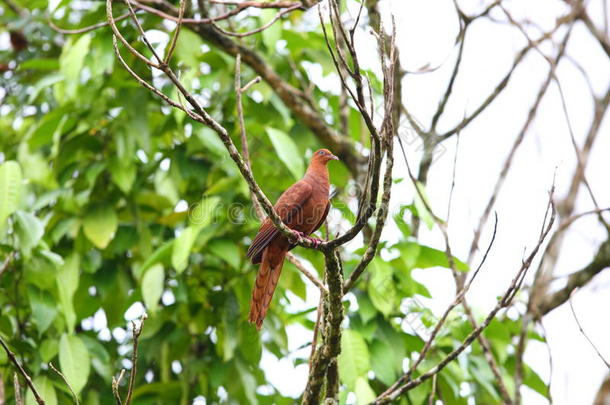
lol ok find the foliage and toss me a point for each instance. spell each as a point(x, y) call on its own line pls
point(111, 202)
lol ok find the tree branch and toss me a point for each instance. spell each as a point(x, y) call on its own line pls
point(24, 374)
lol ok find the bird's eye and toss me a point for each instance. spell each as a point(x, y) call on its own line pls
point(321, 152)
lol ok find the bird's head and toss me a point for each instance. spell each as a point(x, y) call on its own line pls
point(323, 156)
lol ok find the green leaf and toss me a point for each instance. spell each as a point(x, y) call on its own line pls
point(182, 248)
point(384, 362)
point(287, 151)
point(226, 250)
point(158, 256)
point(100, 359)
point(67, 283)
point(71, 63)
point(123, 174)
point(10, 188)
point(45, 388)
point(430, 257)
point(43, 307)
point(248, 382)
point(422, 211)
point(74, 361)
point(29, 231)
point(272, 34)
point(533, 380)
point(200, 217)
point(364, 392)
point(152, 287)
point(203, 214)
point(381, 288)
point(366, 309)
point(48, 350)
point(353, 361)
point(100, 224)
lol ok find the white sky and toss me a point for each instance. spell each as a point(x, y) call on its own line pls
point(426, 35)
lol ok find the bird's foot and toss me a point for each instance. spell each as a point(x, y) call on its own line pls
point(315, 241)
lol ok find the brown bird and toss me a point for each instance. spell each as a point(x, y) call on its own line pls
point(303, 208)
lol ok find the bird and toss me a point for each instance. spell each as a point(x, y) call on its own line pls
point(303, 207)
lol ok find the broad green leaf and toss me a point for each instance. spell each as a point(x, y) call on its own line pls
point(384, 362)
point(200, 217)
point(248, 383)
point(353, 362)
point(10, 188)
point(100, 224)
point(364, 392)
point(287, 151)
point(421, 207)
point(228, 332)
point(188, 48)
point(430, 257)
point(100, 359)
point(272, 34)
point(484, 377)
point(74, 361)
point(204, 212)
point(381, 288)
point(152, 287)
point(226, 250)
point(182, 248)
point(123, 174)
point(67, 283)
point(401, 223)
point(71, 63)
point(49, 349)
point(29, 230)
point(366, 309)
point(533, 380)
point(44, 309)
point(160, 254)
point(45, 388)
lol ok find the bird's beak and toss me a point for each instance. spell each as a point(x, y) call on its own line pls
point(333, 157)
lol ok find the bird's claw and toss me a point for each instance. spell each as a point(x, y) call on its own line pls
point(315, 241)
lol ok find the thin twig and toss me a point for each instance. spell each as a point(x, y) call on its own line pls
point(17, 388)
point(83, 30)
point(174, 40)
point(24, 374)
point(134, 357)
point(63, 377)
point(506, 299)
point(259, 29)
point(7, 262)
point(582, 331)
point(115, 387)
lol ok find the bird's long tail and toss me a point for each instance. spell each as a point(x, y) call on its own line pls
point(266, 281)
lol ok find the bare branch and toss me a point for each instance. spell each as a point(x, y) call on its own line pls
point(600, 262)
point(24, 374)
point(503, 302)
point(172, 44)
point(582, 330)
point(63, 377)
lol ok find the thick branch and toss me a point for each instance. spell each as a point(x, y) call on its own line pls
point(600, 262)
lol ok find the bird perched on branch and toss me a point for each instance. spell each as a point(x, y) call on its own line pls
point(303, 208)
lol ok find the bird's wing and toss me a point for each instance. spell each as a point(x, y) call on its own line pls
point(289, 205)
point(319, 224)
